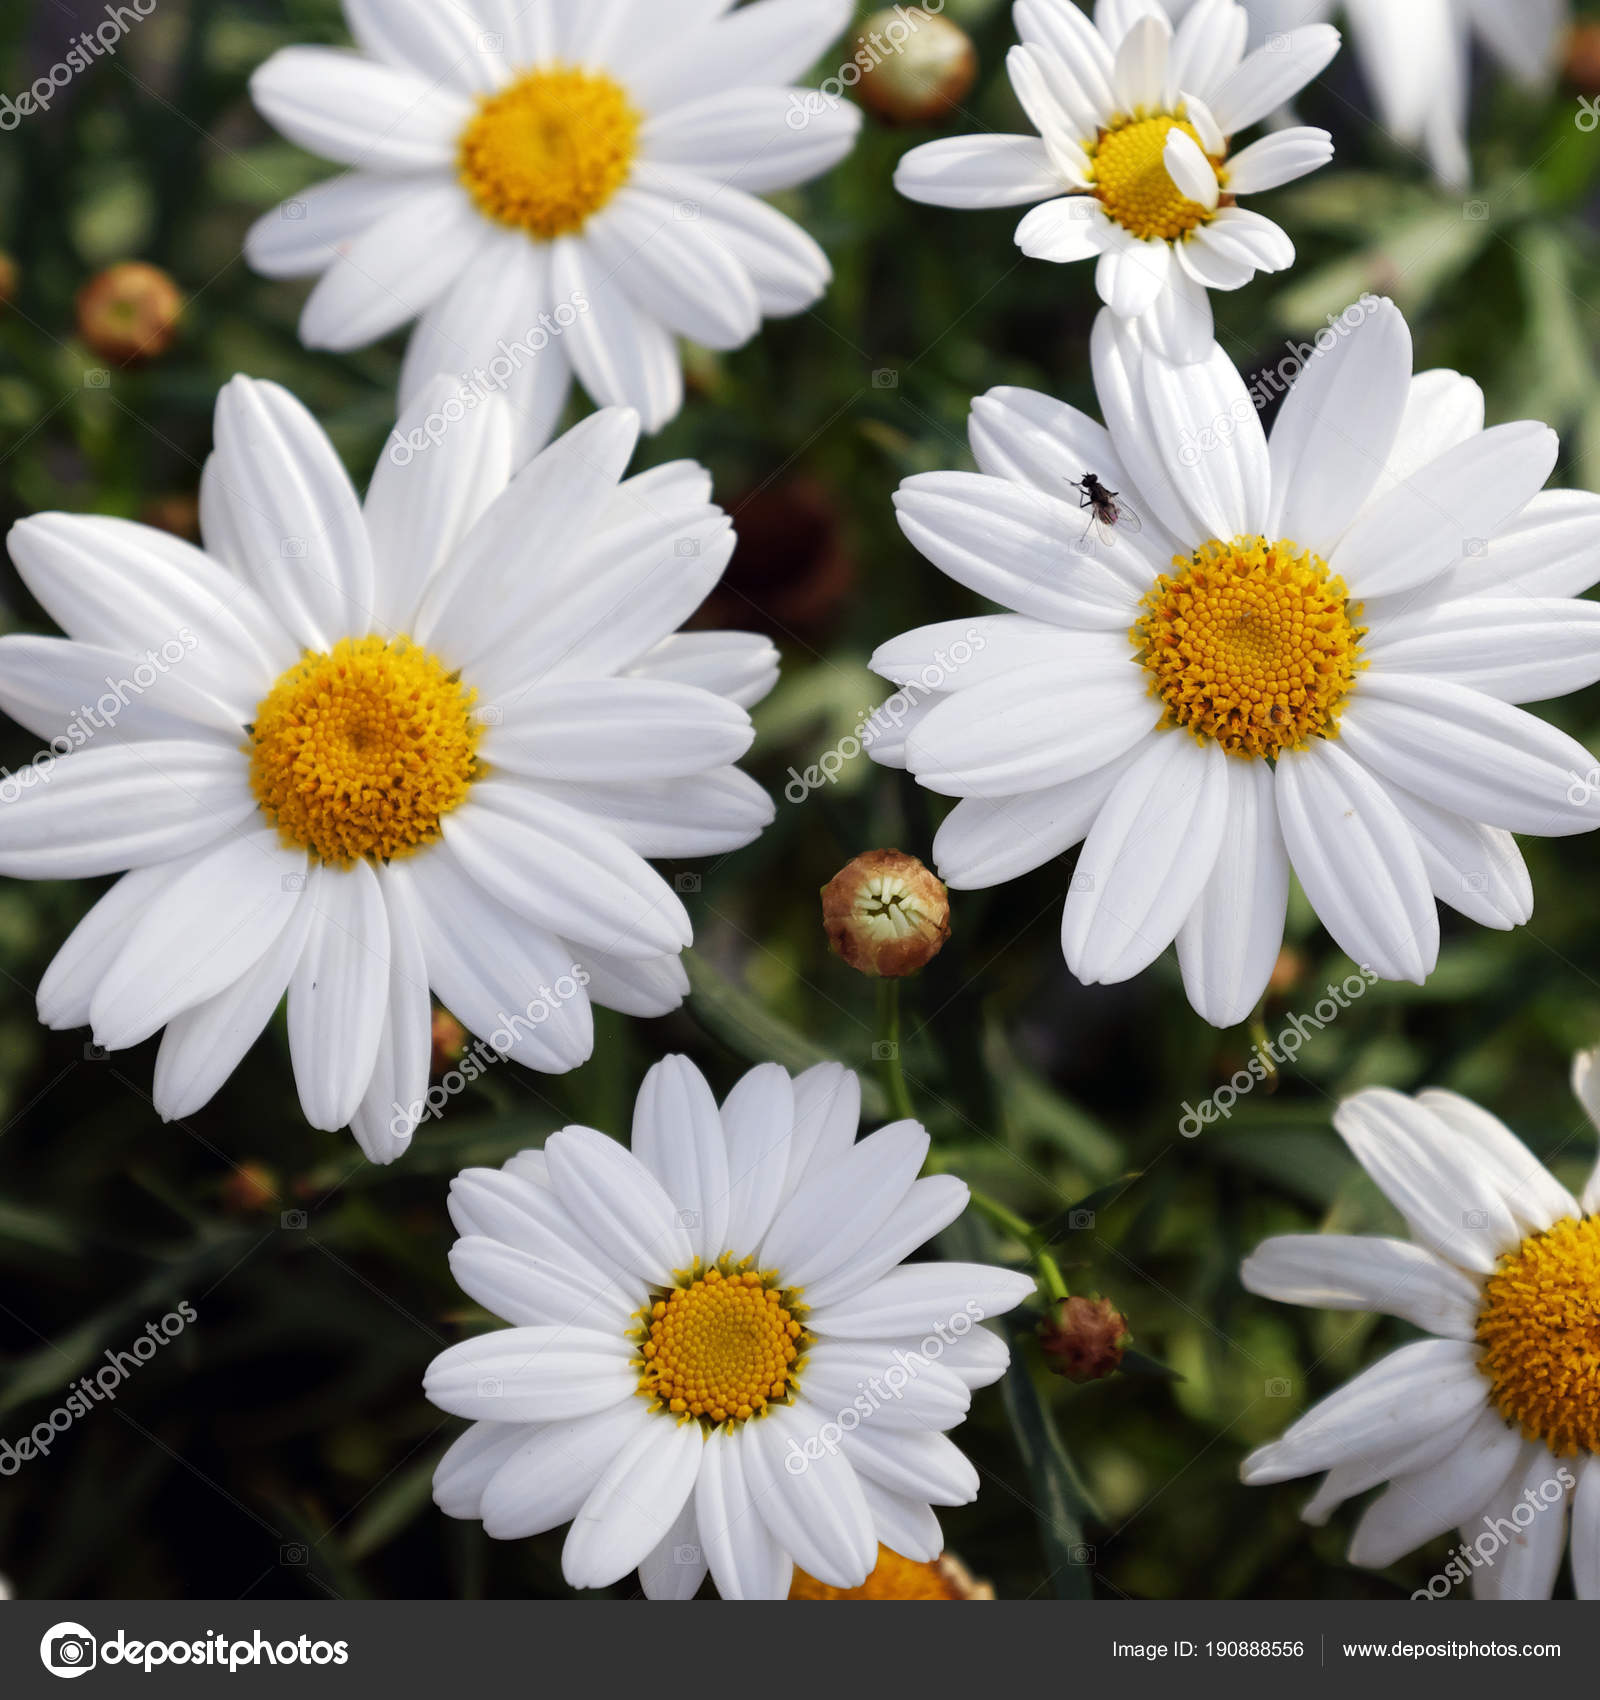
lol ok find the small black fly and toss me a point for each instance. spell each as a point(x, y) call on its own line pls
point(1106, 508)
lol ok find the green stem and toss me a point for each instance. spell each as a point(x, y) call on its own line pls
point(1010, 1223)
point(888, 1050)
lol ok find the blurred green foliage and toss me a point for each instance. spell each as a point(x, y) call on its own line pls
point(282, 1445)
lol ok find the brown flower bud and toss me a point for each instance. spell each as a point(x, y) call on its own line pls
point(886, 914)
point(10, 277)
point(1286, 971)
point(129, 312)
point(897, 1578)
point(1084, 1339)
point(915, 66)
point(250, 1189)
point(1582, 69)
point(449, 1040)
point(178, 513)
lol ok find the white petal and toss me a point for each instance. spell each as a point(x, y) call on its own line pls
point(396, 1095)
point(1272, 76)
point(1278, 159)
point(565, 873)
point(928, 1208)
point(617, 730)
point(653, 987)
point(204, 1044)
point(1516, 650)
point(746, 1562)
point(836, 1211)
point(742, 666)
point(1586, 1531)
point(676, 1567)
point(545, 1479)
point(1416, 1508)
point(922, 1465)
point(921, 1298)
point(297, 513)
point(1419, 1389)
point(359, 112)
point(1036, 728)
point(418, 36)
point(758, 1126)
point(423, 501)
point(1147, 858)
point(896, 1388)
point(1414, 533)
point(1068, 228)
point(1526, 1565)
point(1447, 1193)
point(772, 41)
point(618, 1203)
point(827, 1111)
point(1336, 428)
point(1532, 1194)
point(339, 993)
point(1476, 869)
point(534, 1375)
point(810, 1501)
point(635, 1502)
point(1466, 753)
point(756, 139)
point(1358, 861)
point(1362, 1272)
point(978, 171)
point(677, 1135)
point(198, 935)
point(511, 983)
point(1189, 169)
point(1229, 944)
point(301, 237)
point(702, 815)
point(1131, 272)
point(470, 1464)
point(986, 841)
point(1139, 74)
point(539, 1289)
point(1552, 548)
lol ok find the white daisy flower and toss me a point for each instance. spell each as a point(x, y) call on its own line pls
point(1307, 657)
point(1492, 1425)
point(1133, 163)
point(718, 1358)
point(353, 753)
point(1416, 58)
point(555, 187)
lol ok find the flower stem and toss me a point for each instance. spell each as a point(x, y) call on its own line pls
point(1009, 1222)
point(887, 1050)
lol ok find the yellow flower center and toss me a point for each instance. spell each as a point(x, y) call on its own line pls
point(1133, 184)
point(1252, 644)
point(1540, 1332)
point(362, 751)
point(898, 1578)
point(550, 151)
point(722, 1348)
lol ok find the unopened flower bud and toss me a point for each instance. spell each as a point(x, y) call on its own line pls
point(1286, 971)
point(886, 914)
point(1582, 68)
point(915, 66)
point(10, 277)
point(1084, 1339)
point(449, 1040)
point(251, 1188)
point(129, 312)
point(178, 513)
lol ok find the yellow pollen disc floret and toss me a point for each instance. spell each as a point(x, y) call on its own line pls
point(1252, 644)
point(1133, 184)
point(722, 1348)
point(362, 751)
point(1540, 1332)
point(897, 1578)
point(550, 151)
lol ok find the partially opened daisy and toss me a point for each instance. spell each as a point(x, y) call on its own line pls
point(1134, 164)
point(1492, 1425)
point(555, 187)
point(354, 753)
point(1307, 657)
point(718, 1358)
point(1416, 57)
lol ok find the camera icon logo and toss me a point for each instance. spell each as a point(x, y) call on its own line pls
point(685, 883)
point(884, 1050)
point(1080, 1220)
point(1279, 1387)
point(886, 378)
point(68, 1649)
point(293, 1219)
point(296, 1553)
point(294, 211)
point(1474, 1218)
point(1081, 1555)
point(97, 378)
